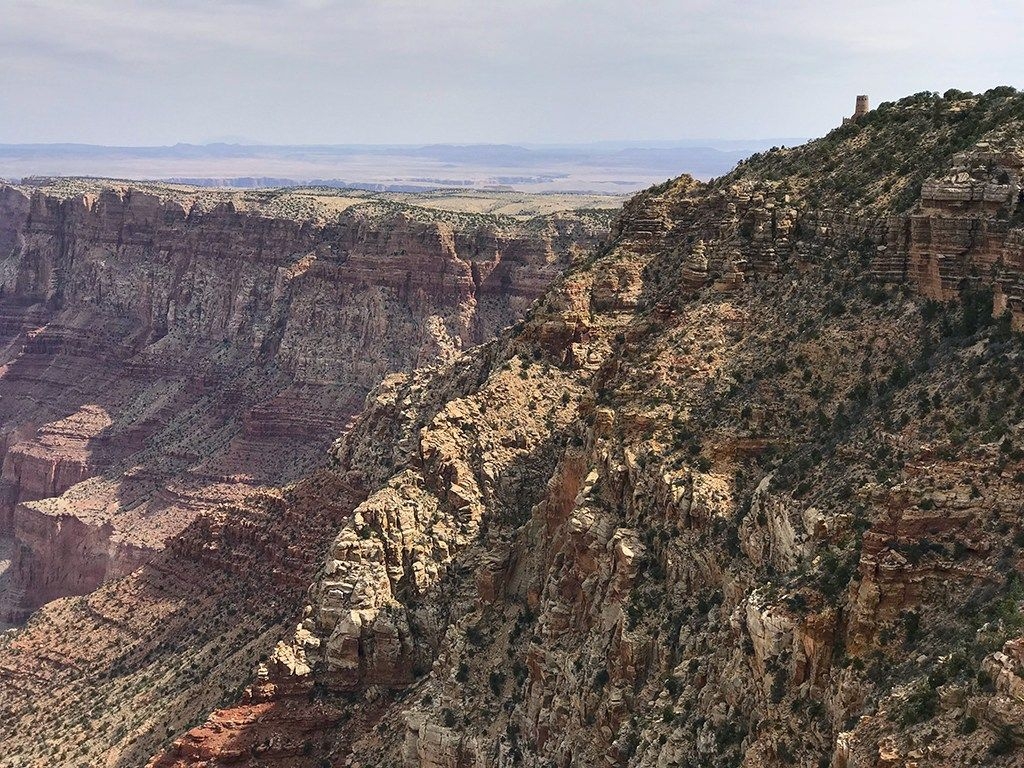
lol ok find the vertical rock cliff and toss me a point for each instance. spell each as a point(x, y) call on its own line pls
point(163, 354)
point(743, 489)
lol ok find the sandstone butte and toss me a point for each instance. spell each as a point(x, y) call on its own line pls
point(744, 485)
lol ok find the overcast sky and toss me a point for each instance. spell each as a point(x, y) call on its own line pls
point(146, 72)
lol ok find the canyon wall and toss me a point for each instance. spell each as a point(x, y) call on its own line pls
point(742, 487)
point(161, 356)
point(735, 493)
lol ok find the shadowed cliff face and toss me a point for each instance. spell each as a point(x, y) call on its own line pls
point(161, 358)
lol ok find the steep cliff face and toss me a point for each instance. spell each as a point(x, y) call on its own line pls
point(106, 679)
point(744, 488)
point(163, 354)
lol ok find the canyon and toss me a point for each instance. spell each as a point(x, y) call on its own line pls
point(739, 483)
point(165, 353)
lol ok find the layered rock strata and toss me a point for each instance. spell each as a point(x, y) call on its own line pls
point(161, 356)
point(743, 489)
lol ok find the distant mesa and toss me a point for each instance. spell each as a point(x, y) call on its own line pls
point(600, 168)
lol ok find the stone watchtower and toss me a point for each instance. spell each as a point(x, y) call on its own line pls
point(860, 110)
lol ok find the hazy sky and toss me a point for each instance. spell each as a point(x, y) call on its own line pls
point(412, 71)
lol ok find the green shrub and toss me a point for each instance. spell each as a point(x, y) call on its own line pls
point(921, 705)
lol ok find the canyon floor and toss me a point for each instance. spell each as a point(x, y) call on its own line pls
point(738, 481)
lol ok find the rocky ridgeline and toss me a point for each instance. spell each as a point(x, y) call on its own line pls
point(744, 488)
point(162, 358)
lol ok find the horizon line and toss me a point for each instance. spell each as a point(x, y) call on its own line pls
point(696, 142)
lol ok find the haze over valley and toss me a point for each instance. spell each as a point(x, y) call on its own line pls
point(611, 167)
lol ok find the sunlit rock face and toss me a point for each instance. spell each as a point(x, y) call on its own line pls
point(743, 487)
point(742, 490)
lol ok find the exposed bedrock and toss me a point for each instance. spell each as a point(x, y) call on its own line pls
point(159, 358)
point(704, 507)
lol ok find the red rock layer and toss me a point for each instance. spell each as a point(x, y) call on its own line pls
point(158, 360)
